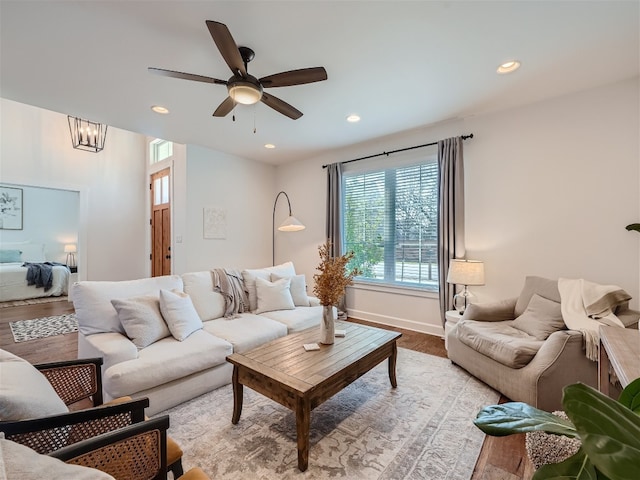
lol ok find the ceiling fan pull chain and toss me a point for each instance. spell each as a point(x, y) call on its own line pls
point(254, 120)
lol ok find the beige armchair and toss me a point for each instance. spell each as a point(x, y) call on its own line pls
point(521, 347)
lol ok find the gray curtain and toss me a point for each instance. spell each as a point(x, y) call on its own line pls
point(334, 207)
point(334, 219)
point(451, 215)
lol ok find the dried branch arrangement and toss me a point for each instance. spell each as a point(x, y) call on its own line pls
point(333, 277)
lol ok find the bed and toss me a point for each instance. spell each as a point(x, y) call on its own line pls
point(13, 276)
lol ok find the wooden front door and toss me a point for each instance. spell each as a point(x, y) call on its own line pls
point(160, 224)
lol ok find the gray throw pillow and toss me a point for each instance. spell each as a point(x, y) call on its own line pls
point(180, 314)
point(141, 319)
point(24, 391)
point(536, 285)
point(541, 318)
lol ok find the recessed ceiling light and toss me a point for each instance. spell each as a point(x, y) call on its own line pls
point(160, 109)
point(508, 67)
point(269, 145)
point(353, 118)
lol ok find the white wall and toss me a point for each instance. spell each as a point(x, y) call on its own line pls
point(243, 188)
point(35, 149)
point(549, 189)
point(50, 217)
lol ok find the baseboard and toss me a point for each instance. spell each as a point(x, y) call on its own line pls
point(436, 330)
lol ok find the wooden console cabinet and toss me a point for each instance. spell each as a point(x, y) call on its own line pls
point(619, 357)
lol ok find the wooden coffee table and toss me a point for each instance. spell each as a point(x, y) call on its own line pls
point(286, 373)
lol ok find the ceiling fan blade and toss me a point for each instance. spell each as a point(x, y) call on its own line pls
point(294, 77)
point(186, 76)
point(281, 106)
point(227, 46)
point(224, 108)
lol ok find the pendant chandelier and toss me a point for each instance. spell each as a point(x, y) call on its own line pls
point(87, 135)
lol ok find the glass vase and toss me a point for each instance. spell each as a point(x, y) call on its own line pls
point(328, 325)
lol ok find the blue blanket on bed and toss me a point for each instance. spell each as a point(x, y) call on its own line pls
point(40, 274)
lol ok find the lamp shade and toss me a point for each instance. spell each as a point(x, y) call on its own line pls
point(291, 224)
point(70, 248)
point(466, 272)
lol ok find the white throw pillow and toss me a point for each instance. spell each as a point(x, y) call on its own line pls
point(249, 277)
point(273, 295)
point(298, 289)
point(179, 313)
point(33, 253)
point(24, 391)
point(141, 319)
point(19, 461)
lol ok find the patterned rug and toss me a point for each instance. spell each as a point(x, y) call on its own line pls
point(24, 330)
point(421, 430)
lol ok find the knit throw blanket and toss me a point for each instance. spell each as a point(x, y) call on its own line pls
point(586, 306)
point(231, 286)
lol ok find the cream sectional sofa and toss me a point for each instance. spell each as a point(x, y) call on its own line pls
point(169, 371)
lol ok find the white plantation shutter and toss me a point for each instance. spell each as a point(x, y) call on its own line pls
point(390, 223)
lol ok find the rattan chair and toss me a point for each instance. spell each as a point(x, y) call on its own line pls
point(135, 452)
point(73, 381)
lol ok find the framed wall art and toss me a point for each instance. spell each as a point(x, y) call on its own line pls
point(10, 208)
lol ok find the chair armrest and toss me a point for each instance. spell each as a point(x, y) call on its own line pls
point(75, 380)
point(140, 448)
point(491, 312)
point(113, 347)
point(50, 433)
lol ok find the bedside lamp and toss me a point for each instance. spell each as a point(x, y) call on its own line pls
point(71, 249)
point(465, 272)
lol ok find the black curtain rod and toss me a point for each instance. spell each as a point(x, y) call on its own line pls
point(464, 137)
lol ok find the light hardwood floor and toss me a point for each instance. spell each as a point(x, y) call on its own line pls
point(501, 458)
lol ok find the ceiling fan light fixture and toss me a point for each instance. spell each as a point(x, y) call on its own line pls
point(245, 93)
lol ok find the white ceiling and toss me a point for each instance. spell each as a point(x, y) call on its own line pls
point(399, 65)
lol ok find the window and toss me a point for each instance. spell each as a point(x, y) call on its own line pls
point(391, 224)
point(159, 150)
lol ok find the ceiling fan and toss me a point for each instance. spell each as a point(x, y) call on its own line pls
point(244, 88)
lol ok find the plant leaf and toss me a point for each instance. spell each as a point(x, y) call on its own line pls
point(609, 431)
point(576, 467)
point(633, 226)
point(630, 396)
point(518, 417)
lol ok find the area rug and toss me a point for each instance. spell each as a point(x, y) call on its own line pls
point(32, 301)
point(421, 430)
point(24, 330)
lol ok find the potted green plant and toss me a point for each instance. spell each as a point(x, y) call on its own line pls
point(609, 431)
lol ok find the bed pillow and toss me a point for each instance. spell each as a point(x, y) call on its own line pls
point(298, 289)
point(179, 313)
point(273, 295)
point(249, 277)
point(24, 391)
point(541, 318)
point(141, 319)
point(10, 256)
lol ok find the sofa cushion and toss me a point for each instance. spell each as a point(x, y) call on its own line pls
point(536, 285)
point(164, 361)
point(208, 303)
point(298, 319)
point(92, 300)
point(141, 318)
point(249, 276)
point(273, 295)
point(499, 341)
point(246, 331)
point(21, 462)
point(298, 289)
point(179, 313)
point(24, 391)
point(541, 318)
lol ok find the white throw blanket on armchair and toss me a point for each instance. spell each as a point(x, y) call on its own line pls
point(586, 306)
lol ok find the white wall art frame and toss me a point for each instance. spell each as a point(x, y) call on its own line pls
point(10, 208)
point(215, 223)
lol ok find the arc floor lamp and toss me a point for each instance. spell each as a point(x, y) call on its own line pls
point(290, 224)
